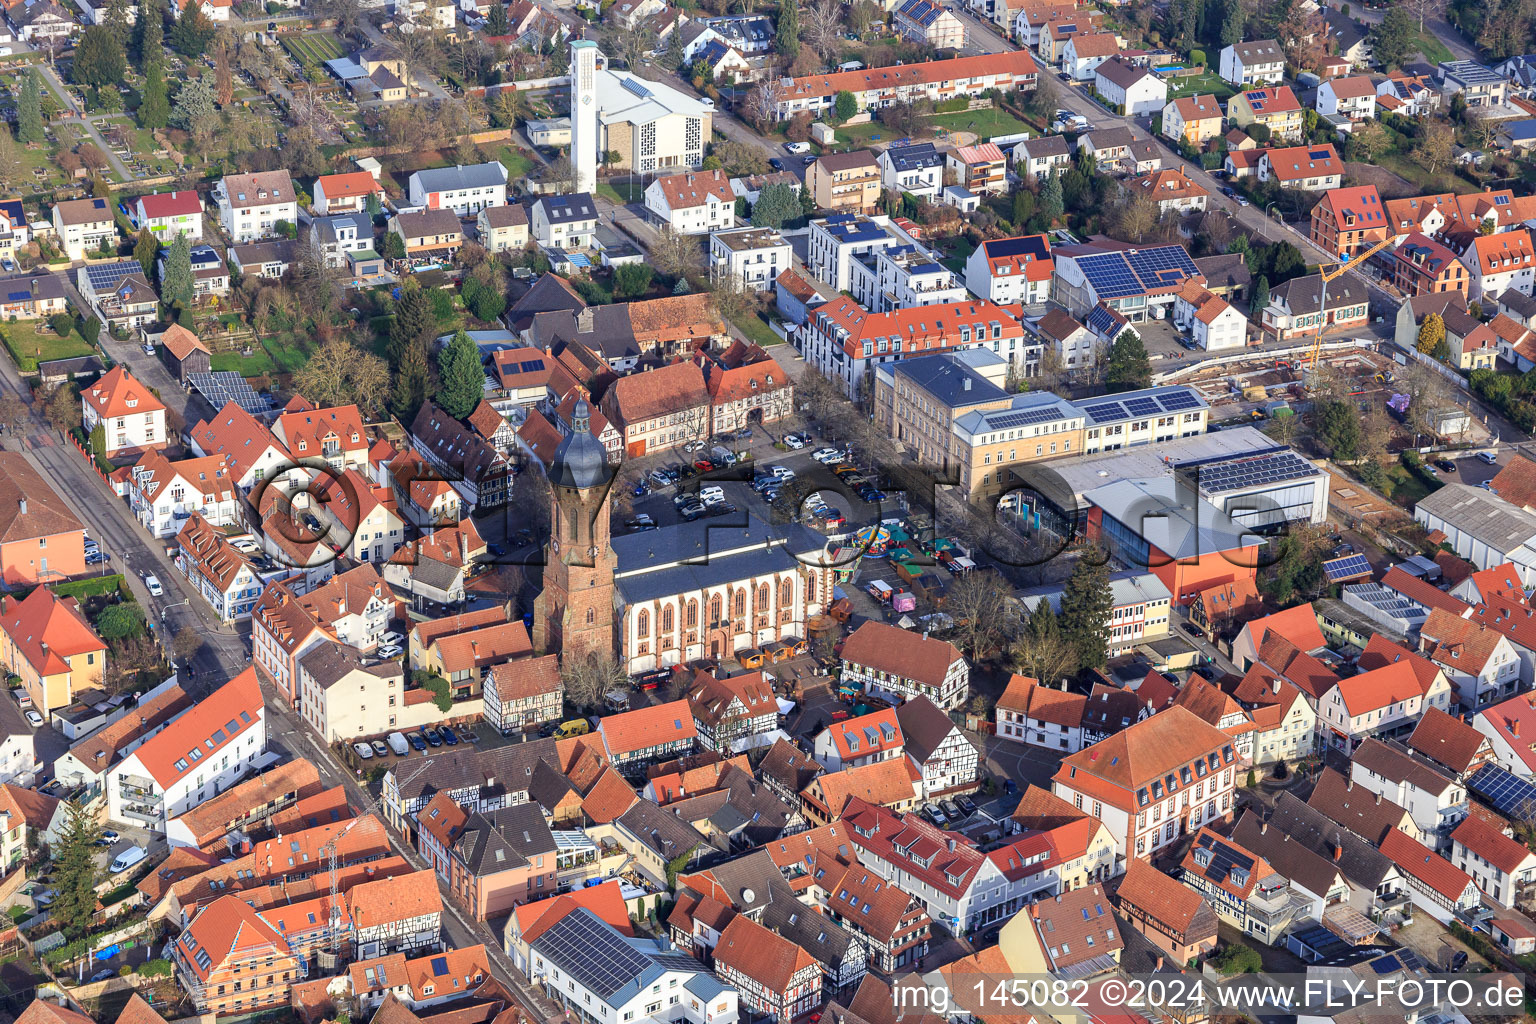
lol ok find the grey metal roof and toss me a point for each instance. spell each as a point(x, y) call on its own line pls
point(569, 209)
point(1482, 515)
point(692, 556)
point(449, 179)
point(1171, 517)
point(949, 381)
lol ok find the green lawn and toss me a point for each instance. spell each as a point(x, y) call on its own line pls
point(1193, 85)
point(758, 331)
point(246, 366)
point(1433, 49)
point(1403, 487)
point(985, 123)
point(631, 192)
point(30, 343)
point(515, 161)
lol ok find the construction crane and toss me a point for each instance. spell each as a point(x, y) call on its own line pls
point(330, 851)
point(1329, 275)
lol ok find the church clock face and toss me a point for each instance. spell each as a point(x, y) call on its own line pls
point(587, 100)
point(554, 542)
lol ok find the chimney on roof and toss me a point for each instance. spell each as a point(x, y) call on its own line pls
point(1514, 727)
point(1159, 964)
point(1349, 785)
point(23, 505)
point(1378, 799)
point(1263, 828)
point(463, 546)
point(951, 846)
point(1338, 850)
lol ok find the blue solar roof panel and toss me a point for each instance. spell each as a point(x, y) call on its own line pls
point(1175, 400)
point(1502, 790)
point(1106, 411)
point(1025, 418)
point(103, 277)
point(1347, 567)
point(1143, 407)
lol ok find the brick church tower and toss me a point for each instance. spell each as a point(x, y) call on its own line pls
point(574, 613)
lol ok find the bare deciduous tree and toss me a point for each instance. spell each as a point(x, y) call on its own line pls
point(675, 253)
point(587, 678)
point(821, 27)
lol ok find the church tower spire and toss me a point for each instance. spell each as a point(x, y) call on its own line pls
point(574, 613)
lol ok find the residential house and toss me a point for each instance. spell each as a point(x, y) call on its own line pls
point(875, 87)
point(564, 222)
point(523, 693)
point(773, 976)
point(1170, 191)
point(346, 240)
point(1259, 62)
point(917, 169)
point(47, 644)
point(465, 190)
point(1131, 90)
point(944, 759)
point(1437, 886)
point(1409, 95)
point(251, 206)
point(476, 469)
point(396, 915)
point(170, 214)
point(1194, 119)
point(1011, 271)
point(979, 168)
point(130, 415)
point(734, 712)
point(15, 229)
point(41, 540)
point(1041, 716)
point(492, 861)
point(1176, 918)
point(751, 258)
point(255, 966)
point(429, 237)
point(353, 608)
point(270, 259)
point(1422, 266)
point(1083, 52)
point(1368, 815)
point(1478, 85)
point(1502, 867)
point(1213, 323)
point(1305, 306)
point(1305, 168)
point(33, 296)
point(1275, 108)
point(844, 182)
point(1353, 97)
point(503, 228)
point(1244, 889)
point(1434, 798)
point(905, 665)
point(346, 193)
point(226, 577)
point(1500, 263)
point(636, 738)
point(856, 742)
point(163, 494)
point(213, 746)
point(85, 226)
point(925, 21)
point(694, 202)
point(660, 409)
point(1039, 158)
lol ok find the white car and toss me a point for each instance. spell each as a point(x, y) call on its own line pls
point(824, 454)
point(391, 639)
point(128, 858)
point(34, 719)
point(390, 651)
point(791, 441)
point(153, 583)
point(711, 495)
point(782, 472)
point(364, 751)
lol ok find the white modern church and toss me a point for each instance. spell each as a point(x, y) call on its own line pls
point(651, 126)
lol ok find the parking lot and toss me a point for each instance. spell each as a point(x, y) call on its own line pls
point(736, 482)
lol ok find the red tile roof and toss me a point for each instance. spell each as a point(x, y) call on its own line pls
point(1394, 683)
point(910, 655)
point(1514, 721)
point(693, 188)
point(395, 899)
point(1448, 740)
point(642, 728)
point(866, 735)
point(226, 928)
point(1458, 643)
point(1158, 896)
point(213, 726)
point(119, 393)
point(1015, 62)
point(172, 204)
point(47, 630)
point(1485, 840)
point(355, 183)
point(920, 329)
point(1426, 866)
point(1422, 591)
point(766, 957)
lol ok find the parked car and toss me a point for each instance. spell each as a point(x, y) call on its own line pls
point(951, 808)
point(776, 163)
point(966, 804)
point(34, 719)
point(448, 736)
point(128, 858)
point(398, 744)
point(392, 637)
point(693, 510)
point(380, 748)
point(364, 751)
point(390, 651)
point(934, 815)
point(720, 508)
point(106, 972)
point(660, 478)
point(431, 736)
point(1489, 458)
point(791, 441)
point(1446, 464)
point(643, 519)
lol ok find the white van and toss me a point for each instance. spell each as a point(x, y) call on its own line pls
point(398, 744)
point(712, 494)
point(720, 454)
point(128, 858)
point(799, 148)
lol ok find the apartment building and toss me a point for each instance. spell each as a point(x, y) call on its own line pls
point(171, 214)
point(1154, 781)
point(694, 202)
point(493, 861)
point(844, 182)
point(903, 277)
point(46, 642)
point(230, 961)
point(1258, 62)
point(252, 205)
point(874, 88)
point(466, 190)
point(85, 227)
point(1348, 220)
point(1011, 271)
point(523, 693)
point(1275, 108)
point(750, 258)
point(660, 409)
point(396, 915)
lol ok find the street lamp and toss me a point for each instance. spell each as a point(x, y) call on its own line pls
point(1268, 208)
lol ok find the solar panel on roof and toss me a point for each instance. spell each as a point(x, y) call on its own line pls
point(530, 366)
point(1505, 792)
point(592, 953)
point(1143, 407)
point(1175, 400)
point(1105, 412)
point(1346, 568)
point(439, 966)
point(104, 277)
point(224, 386)
point(1019, 419)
